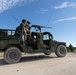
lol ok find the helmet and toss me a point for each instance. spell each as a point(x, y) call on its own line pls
point(28, 22)
point(23, 20)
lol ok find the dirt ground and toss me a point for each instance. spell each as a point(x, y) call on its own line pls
point(39, 64)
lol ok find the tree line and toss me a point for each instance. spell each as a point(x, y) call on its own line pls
point(70, 48)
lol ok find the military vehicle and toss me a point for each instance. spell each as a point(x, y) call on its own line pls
point(13, 44)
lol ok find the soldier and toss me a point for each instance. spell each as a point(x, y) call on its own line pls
point(23, 28)
point(19, 28)
point(24, 25)
point(28, 29)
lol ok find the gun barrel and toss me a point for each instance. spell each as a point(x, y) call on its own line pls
point(47, 27)
point(40, 26)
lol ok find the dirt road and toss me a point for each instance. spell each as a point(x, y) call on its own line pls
point(41, 65)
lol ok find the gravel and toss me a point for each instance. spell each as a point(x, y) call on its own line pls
point(39, 64)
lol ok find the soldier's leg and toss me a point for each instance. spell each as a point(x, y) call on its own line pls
point(25, 35)
point(29, 33)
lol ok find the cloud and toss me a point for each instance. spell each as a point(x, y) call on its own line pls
point(67, 19)
point(65, 5)
point(7, 4)
point(41, 11)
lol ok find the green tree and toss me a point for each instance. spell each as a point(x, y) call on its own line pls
point(68, 49)
point(71, 48)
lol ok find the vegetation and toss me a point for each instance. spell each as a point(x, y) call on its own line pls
point(70, 48)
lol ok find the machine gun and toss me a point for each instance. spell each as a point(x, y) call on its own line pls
point(38, 27)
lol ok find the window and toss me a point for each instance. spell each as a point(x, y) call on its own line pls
point(11, 32)
point(46, 37)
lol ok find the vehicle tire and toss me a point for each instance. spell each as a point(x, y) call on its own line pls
point(61, 51)
point(12, 55)
point(48, 52)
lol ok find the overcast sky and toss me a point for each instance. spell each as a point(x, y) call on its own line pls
point(58, 14)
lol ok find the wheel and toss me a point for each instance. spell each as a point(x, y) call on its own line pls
point(61, 51)
point(48, 52)
point(12, 55)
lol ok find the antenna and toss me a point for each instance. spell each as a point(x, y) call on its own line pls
point(50, 18)
point(16, 19)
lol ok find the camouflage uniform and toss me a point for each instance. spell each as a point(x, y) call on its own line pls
point(28, 29)
point(23, 28)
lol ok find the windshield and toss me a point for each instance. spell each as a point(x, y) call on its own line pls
point(47, 36)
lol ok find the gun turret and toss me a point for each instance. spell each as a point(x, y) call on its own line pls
point(38, 27)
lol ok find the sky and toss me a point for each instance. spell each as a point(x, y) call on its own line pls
point(58, 14)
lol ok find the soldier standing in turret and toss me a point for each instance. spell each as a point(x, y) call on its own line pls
point(24, 28)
